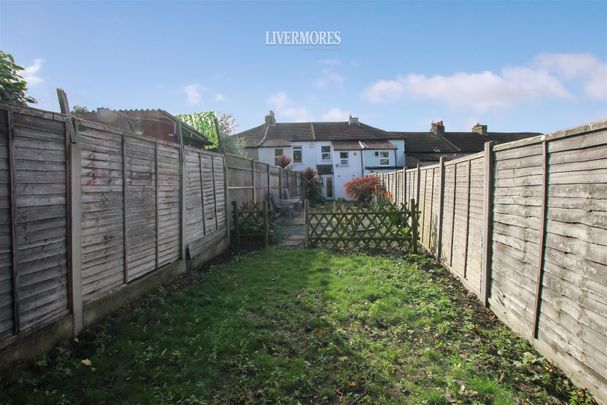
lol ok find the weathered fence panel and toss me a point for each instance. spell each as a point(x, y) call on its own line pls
point(530, 235)
point(79, 227)
point(102, 211)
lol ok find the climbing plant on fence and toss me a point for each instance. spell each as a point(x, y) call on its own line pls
point(370, 226)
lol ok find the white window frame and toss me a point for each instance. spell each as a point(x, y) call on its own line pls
point(300, 150)
point(343, 161)
point(325, 155)
point(384, 158)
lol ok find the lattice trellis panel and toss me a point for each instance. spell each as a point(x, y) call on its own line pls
point(351, 226)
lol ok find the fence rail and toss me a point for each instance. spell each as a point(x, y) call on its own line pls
point(524, 226)
point(251, 181)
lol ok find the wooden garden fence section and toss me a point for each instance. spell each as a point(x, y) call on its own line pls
point(523, 225)
point(249, 181)
point(87, 209)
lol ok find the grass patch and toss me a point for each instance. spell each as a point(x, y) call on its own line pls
point(299, 325)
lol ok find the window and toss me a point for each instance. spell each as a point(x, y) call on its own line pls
point(296, 154)
point(384, 158)
point(277, 153)
point(343, 158)
point(326, 152)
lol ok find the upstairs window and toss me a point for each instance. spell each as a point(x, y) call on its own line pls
point(384, 158)
point(325, 152)
point(343, 158)
point(296, 154)
point(277, 153)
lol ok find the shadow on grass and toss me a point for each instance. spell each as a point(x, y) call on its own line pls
point(297, 325)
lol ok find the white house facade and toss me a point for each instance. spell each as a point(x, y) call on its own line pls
point(341, 151)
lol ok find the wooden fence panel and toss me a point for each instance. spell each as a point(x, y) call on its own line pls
point(220, 192)
point(195, 219)
point(168, 248)
point(102, 227)
point(449, 195)
point(516, 231)
point(6, 267)
point(208, 186)
point(140, 196)
point(475, 225)
point(548, 240)
point(40, 172)
point(573, 313)
point(461, 225)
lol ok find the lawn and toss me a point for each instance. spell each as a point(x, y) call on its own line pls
point(282, 326)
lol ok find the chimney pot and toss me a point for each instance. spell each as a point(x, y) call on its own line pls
point(353, 120)
point(480, 129)
point(270, 119)
point(438, 128)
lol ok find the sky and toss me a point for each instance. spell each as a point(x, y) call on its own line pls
point(515, 66)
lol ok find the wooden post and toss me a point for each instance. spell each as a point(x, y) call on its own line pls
point(125, 244)
point(253, 188)
point(414, 223)
point(487, 224)
point(157, 208)
point(182, 198)
point(306, 223)
point(542, 243)
point(266, 228)
point(16, 285)
point(279, 183)
point(236, 225)
point(75, 223)
point(418, 181)
point(441, 206)
point(269, 180)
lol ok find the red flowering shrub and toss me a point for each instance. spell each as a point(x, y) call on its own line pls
point(362, 189)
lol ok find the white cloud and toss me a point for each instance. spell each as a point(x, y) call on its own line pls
point(30, 73)
point(219, 97)
point(193, 93)
point(584, 66)
point(287, 109)
point(384, 90)
point(335, 114)
point(478, 91)
point(483, 91)
point(328, 79)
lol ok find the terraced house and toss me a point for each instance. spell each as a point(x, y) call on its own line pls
point(341, 151)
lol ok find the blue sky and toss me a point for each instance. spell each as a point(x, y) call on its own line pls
point(515, 66)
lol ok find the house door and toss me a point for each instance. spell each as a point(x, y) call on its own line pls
point(327, 186)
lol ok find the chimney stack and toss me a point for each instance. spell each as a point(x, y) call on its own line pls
point(438, 128)
point(352, 120)
point(480, 129)
point(270, 119)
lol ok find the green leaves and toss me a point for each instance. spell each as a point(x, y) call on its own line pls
point(217, 128)
point(12, 85)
